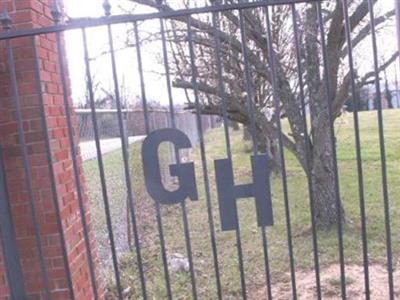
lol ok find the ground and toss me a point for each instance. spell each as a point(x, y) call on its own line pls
point(250, 233)
point(88, 148)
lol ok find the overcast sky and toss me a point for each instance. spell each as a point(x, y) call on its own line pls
point(126, 59)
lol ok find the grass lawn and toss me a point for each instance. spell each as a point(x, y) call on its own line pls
point(250, 233)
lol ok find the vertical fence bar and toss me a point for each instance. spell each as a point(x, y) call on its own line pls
point(200, 138)
point(333, 145)
point(307, 143)
point(8, 243)
point(128, 225)
point(356, 100)
point(50, 163)
point(75, 165)
point(25, 160)
point(101, 166)
point(125, 154)
point(386, 200)
point(203, 152)
point(253, 129)
point(272, 63)
point(147, 129)
point(224, 100)
point(177, 157)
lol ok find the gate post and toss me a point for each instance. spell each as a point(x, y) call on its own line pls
point(58, 216)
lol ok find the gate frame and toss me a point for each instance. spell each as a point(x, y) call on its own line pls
point(10, 247)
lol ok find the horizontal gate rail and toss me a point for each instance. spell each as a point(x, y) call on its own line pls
point(129, 18)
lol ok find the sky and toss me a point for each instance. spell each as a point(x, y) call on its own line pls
point(155, 83)
point(126, 57)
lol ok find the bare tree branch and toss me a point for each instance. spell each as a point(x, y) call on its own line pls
point(366, 30)
point(371, 74)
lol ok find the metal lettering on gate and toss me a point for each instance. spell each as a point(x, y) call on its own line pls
point(228, 192)
point(151, 168)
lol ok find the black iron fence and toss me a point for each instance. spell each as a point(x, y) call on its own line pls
point(299, 126)
point(135, 124)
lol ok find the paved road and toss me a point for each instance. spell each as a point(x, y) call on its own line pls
point(88, 149)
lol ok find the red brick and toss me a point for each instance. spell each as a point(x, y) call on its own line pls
point(29, 4)
point(51, 88)
point(49, 66)
point(30, 100)
point(45, 76)
point(27, 88)
point(32, 137)
point(21, 42)
point(35, 125)
point(28, 14)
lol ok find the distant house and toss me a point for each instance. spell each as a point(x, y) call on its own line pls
point(396, 98)
point(368, 96)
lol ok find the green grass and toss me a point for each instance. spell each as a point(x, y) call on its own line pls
point(250, 233)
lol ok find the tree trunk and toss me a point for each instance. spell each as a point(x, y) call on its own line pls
point(270, 147)
point(323, 188)
point(246, 133)
point(235, 125)
point(322, 164)
point(323, 180)
point(264, 145)
point(274, 153)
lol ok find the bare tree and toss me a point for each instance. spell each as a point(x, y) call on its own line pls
point(297, 139)
point(108, 97)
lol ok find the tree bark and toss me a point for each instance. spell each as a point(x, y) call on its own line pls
point(323, 179)
point(322, 163)
point(246, 134)
point(265, 145)
point(235, 125)
point(325, 206)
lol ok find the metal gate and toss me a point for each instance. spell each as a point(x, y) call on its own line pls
point(195, 44)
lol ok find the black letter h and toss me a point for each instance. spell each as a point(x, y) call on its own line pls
point(228, 192)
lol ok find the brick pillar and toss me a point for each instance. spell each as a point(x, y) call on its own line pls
point(27, 14)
